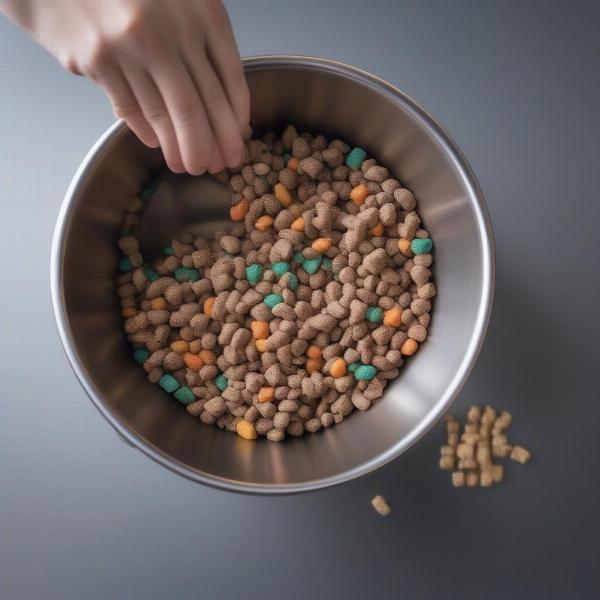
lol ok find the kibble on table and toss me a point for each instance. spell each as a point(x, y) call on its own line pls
point(303, 310)
point(483, 439)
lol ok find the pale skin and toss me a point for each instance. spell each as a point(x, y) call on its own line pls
point(171, 70)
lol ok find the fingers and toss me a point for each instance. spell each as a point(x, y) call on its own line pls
point(225, 58)
point(186, 111)
point(125, 105)
point(224, 123)
point(155, 113)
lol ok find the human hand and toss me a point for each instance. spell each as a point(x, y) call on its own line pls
point(171, 70)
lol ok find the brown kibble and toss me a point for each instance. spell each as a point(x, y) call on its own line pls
point(520, 455)
point(381, 506)
point(446, 463)
point(472, 479)
point(458, 479)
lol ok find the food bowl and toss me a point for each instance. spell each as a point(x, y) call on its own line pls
point(319, 96)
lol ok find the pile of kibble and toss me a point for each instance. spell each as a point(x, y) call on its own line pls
point(470, 456)
point(300, 313)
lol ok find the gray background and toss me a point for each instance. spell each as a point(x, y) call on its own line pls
point(84, 516)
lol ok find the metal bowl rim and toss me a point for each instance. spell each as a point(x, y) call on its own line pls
point(298, 62)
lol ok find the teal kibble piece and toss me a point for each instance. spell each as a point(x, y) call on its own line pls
point(355, 158)
point(326, 264)
point(125, 265)
point(169, 251)
point(168, 383)
point(273, 300)
point(141, 355)
point(292, 281)
point(353, 366)
point(221, 382)
point(366, 372)
point(419, 246)
point(280, 268)
point(374, 314)
point(184, 395)
point(299, 258)
point(186, 274)
point(150, 188)
point(286, 156)
point(311, 265)
point(254, 273)
point(150, 274)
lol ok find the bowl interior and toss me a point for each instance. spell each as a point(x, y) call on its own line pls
point(338, 102)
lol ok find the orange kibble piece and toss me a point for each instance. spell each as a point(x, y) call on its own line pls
point(129, 311)
point(208, 356)
point(293, 163)
point(378, 230)
point(263, 223)
point(261, 345)
point(409, 347)
point(321, 245)
point(313, 364)
point(338, 368)
point(404, 246)
point(393, 317)
point(298, 224)
point(193, 361)
point(359, 194)
point(239, 211)
point(313, 351)
point(260, 330)
point(208, 306)
point(180, 346)
point(159, 303)
point(266, 394)
point(282, 194)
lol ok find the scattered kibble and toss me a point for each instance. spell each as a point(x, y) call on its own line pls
point(483, 439)
point(380, 504)
point(302, 309)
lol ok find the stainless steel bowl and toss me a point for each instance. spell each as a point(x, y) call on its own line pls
point(321, 96)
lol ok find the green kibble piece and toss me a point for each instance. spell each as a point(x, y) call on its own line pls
point(353, 366)
point(125, 265)
point(327, 263)
point(184, 395)
point(311, 265)
point(168, 383)
point(254, 273)
point(280, 268)
point(141, 355)
point(366, 372)
point(273, 300)
point(419, 246)
point(221, 382)
point(150, 274)
point(355, 158)
point(374, 314)
point(169, 251)
point(286, 156)
point(186, 274)
point(299, 258)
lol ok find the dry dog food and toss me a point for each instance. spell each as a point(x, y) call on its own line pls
point(483, 438)
point(381, 506)
point(303, 310)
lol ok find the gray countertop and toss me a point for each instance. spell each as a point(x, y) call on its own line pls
point(84, 516)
